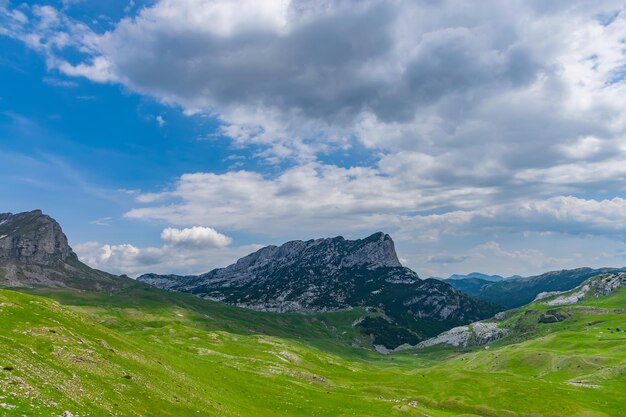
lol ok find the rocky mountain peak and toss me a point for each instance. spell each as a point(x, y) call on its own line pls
point(34, 252)
point(326, 255)
point(34, 238)
point(375, 251)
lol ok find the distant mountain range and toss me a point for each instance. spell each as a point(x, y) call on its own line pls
point(517, 291)
point(336, 274)
point(477, 275)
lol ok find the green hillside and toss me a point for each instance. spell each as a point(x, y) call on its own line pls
point(517, 292)
point(145, 352)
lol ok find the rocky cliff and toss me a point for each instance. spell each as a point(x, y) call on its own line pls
point(33, 237)
point(34, 251)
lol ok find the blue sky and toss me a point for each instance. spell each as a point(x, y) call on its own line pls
point(178, 136)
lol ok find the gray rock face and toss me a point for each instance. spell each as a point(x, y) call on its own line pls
point(34, 252)
point(478, 333)
point(325, 256)
point(289, 277)
point(33, 238)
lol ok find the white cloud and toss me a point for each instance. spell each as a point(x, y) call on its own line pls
point(185, 251)
point(103, 221)
point(583, 148)
point(195, 236)
point(314, 197)
point(510, 95)
point(321, 199)
point(565, 215)
point(443, 258)
point(532, 258)
point(59, 83)
point(97, 69)
point(494, 258)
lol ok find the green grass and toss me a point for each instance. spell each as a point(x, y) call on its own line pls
point(150, 353)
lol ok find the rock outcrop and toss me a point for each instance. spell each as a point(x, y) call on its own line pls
point(598, 286)
point(34, 251)
point(553, 316)
point(479, 333)
point(33, 238)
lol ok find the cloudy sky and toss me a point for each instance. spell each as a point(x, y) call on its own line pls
point(178, 135)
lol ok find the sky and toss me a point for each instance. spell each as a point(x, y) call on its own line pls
point(175, 136)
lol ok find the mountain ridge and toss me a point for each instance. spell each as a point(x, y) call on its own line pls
point(477, 275)
point(33, 237)
point(333, 274)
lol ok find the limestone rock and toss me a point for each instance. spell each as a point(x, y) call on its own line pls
point(597, 286)
point(478, 333)
point(34, 251)
point(33, 238)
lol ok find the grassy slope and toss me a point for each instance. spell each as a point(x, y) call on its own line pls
point(148, 353)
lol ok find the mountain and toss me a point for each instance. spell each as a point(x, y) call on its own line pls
point(470, 286)
point(476, 275)
point(516, 292)
point(34, 251)
point(336, 274)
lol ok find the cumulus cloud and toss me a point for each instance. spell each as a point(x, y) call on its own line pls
point(195, 236)
point(443, 258)
point(519, 96)
point(565, 215)
point(185, 251)
point(505, 93)
point(319, 198)
point(313, 197)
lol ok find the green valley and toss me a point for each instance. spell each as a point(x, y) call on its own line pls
point(142, 351)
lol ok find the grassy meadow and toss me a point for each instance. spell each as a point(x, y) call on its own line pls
point(144, 352)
